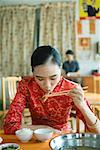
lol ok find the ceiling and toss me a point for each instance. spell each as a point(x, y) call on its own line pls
point(29, 2)
point(14, 2)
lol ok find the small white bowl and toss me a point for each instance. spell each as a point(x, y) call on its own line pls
point(24, 134)
point(43, 134)
point(6, 145)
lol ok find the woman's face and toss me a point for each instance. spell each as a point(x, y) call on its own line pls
point(47, 76)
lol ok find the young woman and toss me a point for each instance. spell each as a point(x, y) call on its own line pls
point(50, 97)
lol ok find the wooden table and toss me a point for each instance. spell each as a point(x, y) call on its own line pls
point(31, 145)
point(93, 98)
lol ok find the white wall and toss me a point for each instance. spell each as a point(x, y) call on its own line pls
point(87, 64)
point(93, 59)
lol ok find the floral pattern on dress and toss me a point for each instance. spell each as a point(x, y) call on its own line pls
point(54, 112)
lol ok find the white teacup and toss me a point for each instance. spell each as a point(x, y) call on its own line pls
point(43, 134)
point(24, 134)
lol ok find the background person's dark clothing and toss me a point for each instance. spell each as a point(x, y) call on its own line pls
point(92, 11)
point(71, 66)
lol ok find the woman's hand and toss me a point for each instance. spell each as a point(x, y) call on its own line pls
point(77, 94)
point(93, 123)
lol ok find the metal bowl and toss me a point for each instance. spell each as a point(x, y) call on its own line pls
point(76, 141)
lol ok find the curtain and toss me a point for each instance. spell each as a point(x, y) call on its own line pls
point(57, 26)
point(17, 28)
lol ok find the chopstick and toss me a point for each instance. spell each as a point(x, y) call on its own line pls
point(44, 98)
point(59, 93)
point(66, 92)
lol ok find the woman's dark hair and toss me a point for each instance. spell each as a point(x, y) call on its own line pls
point(42, 54)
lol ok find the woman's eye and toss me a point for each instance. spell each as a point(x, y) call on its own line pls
point(53, 78)
point(40, 79)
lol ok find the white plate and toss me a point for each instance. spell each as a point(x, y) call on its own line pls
point(10, 144)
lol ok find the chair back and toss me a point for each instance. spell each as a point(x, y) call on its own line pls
point(9, 84)
point(96, 84)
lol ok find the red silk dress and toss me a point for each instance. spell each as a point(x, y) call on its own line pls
point(54, 112)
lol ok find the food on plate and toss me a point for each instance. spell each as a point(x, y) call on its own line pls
point(9, 146)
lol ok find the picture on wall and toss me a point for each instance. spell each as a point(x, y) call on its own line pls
point(84, 43)
point(89, 9)
point(84, 51)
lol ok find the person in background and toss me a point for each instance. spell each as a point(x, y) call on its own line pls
point(41, 92)
point(71, 66)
